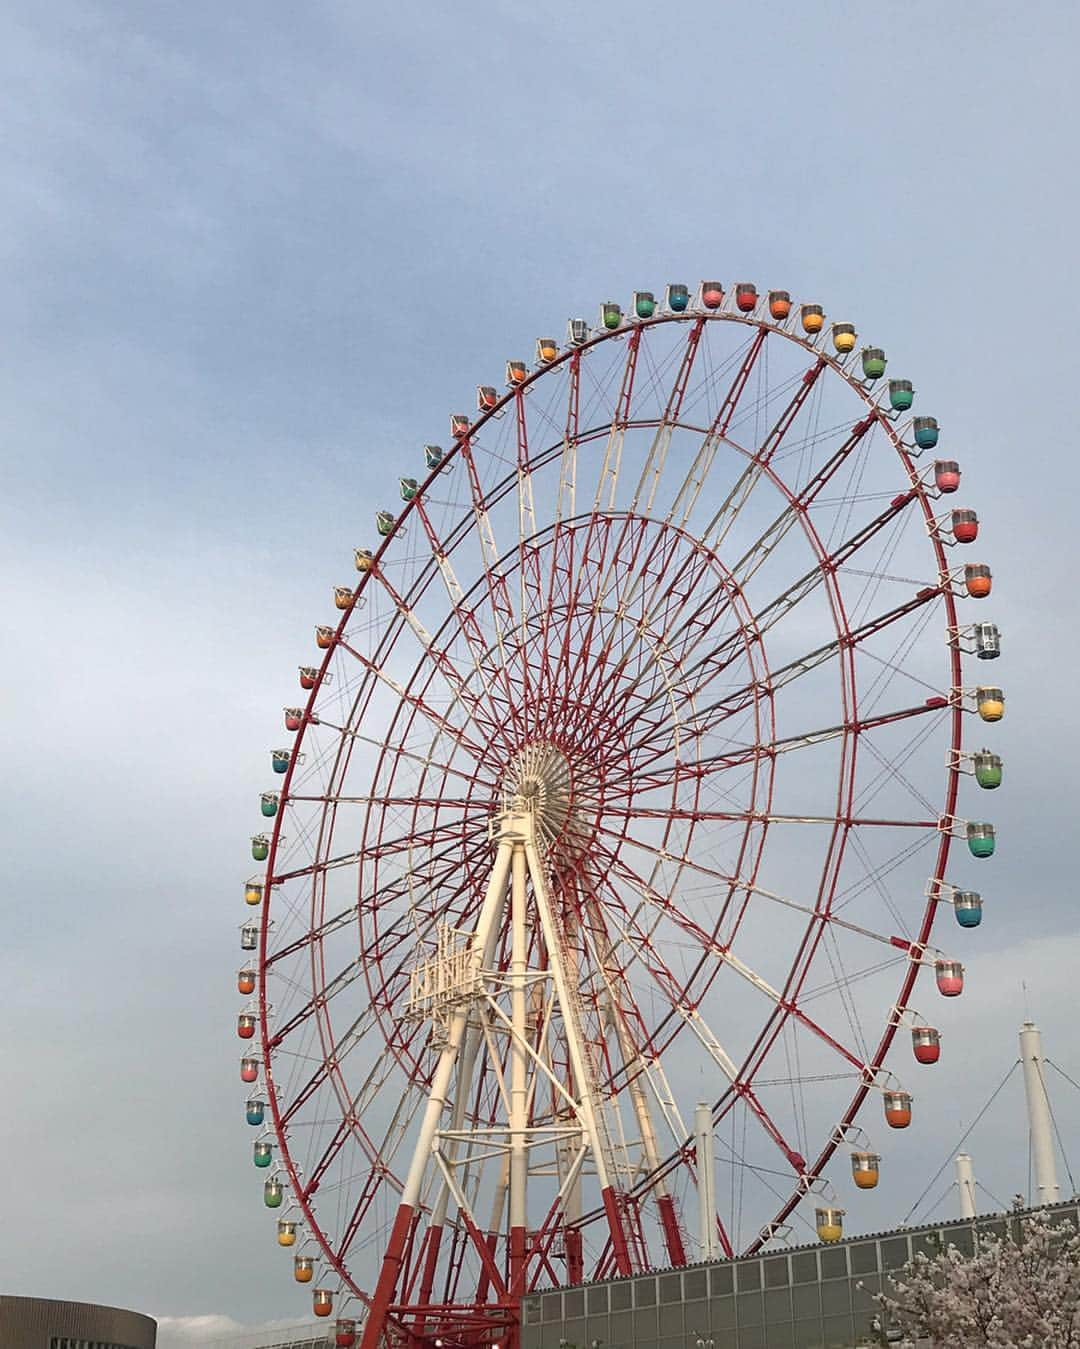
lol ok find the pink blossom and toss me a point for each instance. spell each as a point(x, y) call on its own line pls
point(1020, 1292)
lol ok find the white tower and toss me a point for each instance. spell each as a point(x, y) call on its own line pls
point(703, 1133)
point(1038, 1106)
point(965, 1183)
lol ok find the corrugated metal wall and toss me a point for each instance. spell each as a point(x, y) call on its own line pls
point(32, 1323)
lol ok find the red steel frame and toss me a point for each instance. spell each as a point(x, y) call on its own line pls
point(490, 1315)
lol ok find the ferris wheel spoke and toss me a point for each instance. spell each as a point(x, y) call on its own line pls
point(696, 626)
point(418, 841)
point(401, 933)
point(530, 572)
point(494, 580)
point(392, 802)
point(478, 649)
point(574, 644)
point(723, 952)
point(843, 981)
point(687, 495)
point(637, 1068)
point(762, 817)
point(455, 733)
point(713, 437)
point(379, 1150)
point(358, 1027)
point(381, 1154)
point(632, 781)
point(650, 700)
point(487, 719)
point(526, 505)
point(768, 397)
point(325, 927)
point(642, 951)
point(558, 578)
point(577, 670)
point(645, 951)
point(891, 669)
point(336, 985)
point(752, 888)
point(806, 740)
point(658, 451)
point(890, 771)
point(425, 761)
point(800, 503)
point(718, 527)
point(779, 607)
point(673, 579)
point(403, 843)
point(380, 1174)
point(608, 483)
point(708, 718)
point(657, 742)
point(574, 653)
point(566, 493)
point(432, 896)
point(376, 1076)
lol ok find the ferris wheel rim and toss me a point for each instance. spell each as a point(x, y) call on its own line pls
point(838, 368)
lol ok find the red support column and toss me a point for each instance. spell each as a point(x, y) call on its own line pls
point(575, 1258)
point(618, 1235)
point(431, 1260)
point(669, 1221)
point(388, 1278)
point(516, 1281)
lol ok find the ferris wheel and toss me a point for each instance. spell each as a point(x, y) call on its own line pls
point(615, 823)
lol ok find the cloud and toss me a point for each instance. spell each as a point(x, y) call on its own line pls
point(213, 1328)
point(182, 1330)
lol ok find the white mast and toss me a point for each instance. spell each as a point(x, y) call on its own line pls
point(965, 1183)
point(706, 1181)
point(1038, 1107)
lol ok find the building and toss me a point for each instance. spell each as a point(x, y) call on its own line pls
point(42, 1323)
point(809, 1297)
point(301, 1335)
point(320, 1337)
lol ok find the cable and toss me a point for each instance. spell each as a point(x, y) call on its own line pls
point(1057, 1135)
point(1002, 1207)
point(941, 1198)
point(934, 1178)
point(1061, 1073)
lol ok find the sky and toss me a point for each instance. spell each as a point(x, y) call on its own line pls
point(251, 256)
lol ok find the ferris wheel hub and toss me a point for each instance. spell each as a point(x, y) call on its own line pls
point(556, 791)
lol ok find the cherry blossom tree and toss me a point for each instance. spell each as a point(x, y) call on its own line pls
point(1017, 1292)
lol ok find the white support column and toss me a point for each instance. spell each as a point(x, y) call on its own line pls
point(1038, 1107)
point(498, 1200)
point(706, 1181)
point(486, 931)
point(965, 1183)
point(590, 1110)
point(634, 1063)
point(518, 1053)
point(466, 1063)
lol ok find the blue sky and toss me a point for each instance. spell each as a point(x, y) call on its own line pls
point(252, 256)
